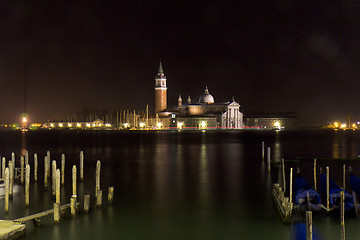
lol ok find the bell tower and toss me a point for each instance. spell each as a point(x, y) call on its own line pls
point(160, 90)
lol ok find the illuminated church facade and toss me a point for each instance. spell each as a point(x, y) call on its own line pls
point(202, 114)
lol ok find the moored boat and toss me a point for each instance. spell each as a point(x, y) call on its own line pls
point(305, 197)
point(334, 194)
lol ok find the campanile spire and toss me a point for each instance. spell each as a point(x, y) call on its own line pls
point(160, 90)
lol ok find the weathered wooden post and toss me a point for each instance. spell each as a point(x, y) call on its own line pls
point(315, 174)
point(309, 232)
point(27, 185)
point(53, 177)
point(342, 215)
point(344, 175)
point(73, 206)
point(110, 195)
point(35, 167)
point(57, 186)
point(81, 166)
point(13, 157)
point(74, 181)
point(263, 150)
point(7, 189)
point(327, 188)
point(11, 176)
point(283, 174)
point(62, 169)
point(57, 213)
point(99, 198)
point(268, 159)
point(46, 160)
point(97, 177)
point(86, 203)
point(3, 167)
point(26, 158)
point(291, 182)
point(22, 169)
point(48, 164)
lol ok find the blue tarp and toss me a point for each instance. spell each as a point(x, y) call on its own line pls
point(334, 192)
point(355, 184)
point(299, 232)
point(302, 189)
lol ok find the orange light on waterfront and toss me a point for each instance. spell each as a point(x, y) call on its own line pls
point(336, 124)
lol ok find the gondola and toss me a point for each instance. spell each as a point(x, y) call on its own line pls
point(299, 232)
point(334, 194)
point(305, 197)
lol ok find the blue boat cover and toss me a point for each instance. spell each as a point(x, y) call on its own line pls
point(355, 184)
point(334, 192)
point(302, 189)
point(299, 232)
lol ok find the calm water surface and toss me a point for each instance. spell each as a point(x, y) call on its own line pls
point(178, 185)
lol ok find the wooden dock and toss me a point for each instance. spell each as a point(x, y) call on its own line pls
point(36, 217)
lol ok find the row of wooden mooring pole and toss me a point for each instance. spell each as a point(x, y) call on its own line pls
point(309, 235)
point(57, 179)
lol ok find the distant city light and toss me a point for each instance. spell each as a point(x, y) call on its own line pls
point(180, 125)
point(203, 124)
point(24, 119)
point(88, 125)
point(142, 125)
point(107, 125)
point(69, 125)
point(126, 125)
point(343, 125)
point(78, 124)
point(336, 124)
point(51, 125)
point(61, 125)
point(159, 125)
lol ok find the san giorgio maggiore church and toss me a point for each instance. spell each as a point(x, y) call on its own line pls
point(202, 114)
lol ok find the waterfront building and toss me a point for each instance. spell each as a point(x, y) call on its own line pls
point(202, 114)
point(274, 120)
point(97, 124)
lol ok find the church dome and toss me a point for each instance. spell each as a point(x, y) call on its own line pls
point(206, 98)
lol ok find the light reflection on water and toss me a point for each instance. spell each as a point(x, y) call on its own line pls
point(175, 185)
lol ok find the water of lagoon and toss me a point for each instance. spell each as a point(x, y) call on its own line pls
point(177, 185)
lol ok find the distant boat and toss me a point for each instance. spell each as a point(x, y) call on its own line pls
point(305, 197)
point(334, 194)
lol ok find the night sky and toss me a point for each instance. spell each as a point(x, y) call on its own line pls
point(271, 56)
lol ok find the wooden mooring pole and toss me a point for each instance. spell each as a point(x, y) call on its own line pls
point(3, 166)
point(315, 174)
point(283, 174)
point(327, 188)
point(86, 203)
point(27, 185)
point(81, 166)
point(73, 206)
point(35, 167)
point(309, 231)
point(110, 195)
point(7, 189)
point(74, 190)
point(263, 150)
point(22, 162)
point(99, 198)
point(57, 213)
point(342, 215)
point(291, 182)
point(53, 177)
point(344, 176)
point(11, 176)
point(97, 177)
point(45, 172)
point(268, 159)
point(26, 158)
point(62, 169)
point(57, 186)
